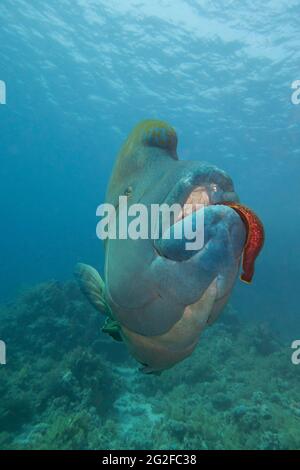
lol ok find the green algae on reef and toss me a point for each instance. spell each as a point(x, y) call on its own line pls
point(68, 386)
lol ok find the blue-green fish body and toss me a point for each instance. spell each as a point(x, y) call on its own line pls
point(159, 294)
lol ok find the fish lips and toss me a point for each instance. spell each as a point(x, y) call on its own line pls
point(197, 193)
point(220, 233)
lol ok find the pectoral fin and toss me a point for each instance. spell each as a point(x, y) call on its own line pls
point(93, 287)
point(112, 328)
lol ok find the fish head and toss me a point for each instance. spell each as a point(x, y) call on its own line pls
point(151, 282)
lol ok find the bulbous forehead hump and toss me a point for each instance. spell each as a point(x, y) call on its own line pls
point(152, 133)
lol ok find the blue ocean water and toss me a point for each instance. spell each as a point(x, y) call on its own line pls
point(80, 74)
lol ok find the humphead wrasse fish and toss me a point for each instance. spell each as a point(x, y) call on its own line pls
point(157, 295)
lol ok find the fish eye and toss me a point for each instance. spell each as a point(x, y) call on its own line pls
point(128, 191)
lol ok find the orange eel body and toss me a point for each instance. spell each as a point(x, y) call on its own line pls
point(255, 238)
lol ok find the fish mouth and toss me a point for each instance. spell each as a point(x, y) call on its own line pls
point(204, 185)
point(203, 196)
point(200, 193)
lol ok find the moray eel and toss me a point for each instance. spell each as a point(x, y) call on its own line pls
point(157, 295)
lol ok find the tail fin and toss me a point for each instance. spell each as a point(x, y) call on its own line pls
point(93, 287)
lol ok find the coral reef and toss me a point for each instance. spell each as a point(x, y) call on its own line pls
point(66, 385)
